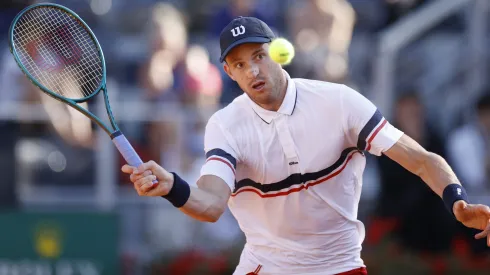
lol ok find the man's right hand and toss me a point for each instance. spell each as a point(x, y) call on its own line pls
point(206, 203)
point(143, 176)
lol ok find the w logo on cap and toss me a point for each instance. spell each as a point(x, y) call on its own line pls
point(243, 30)
point(238, 31)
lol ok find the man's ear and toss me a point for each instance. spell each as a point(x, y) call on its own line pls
point(228, 71)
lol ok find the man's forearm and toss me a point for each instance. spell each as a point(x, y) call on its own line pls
point(430, 167)
point(204, 203)
point(437, 173)
point(203, 206)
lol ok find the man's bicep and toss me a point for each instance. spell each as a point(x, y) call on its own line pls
point(360, 114)
point(408, 153)
point(221, 156)
point(367, 127)
point(215, 185)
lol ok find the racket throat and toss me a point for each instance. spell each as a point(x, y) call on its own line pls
point(116, 134)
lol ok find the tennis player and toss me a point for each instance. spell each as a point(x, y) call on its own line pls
point(287, 157)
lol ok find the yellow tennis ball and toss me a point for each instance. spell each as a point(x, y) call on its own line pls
point(281, 51)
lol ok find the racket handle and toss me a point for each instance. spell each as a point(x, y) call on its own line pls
point(126, 150)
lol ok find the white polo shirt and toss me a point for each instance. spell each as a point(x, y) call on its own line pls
point(296, 175)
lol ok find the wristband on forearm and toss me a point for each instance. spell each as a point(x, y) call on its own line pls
point(180, 192)
point(452, 193)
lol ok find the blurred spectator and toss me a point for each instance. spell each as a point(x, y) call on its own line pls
point(70, 124)
point(15, 89)
point(419, 212)
point(10, 77)
point(177, 73)
point(322, 32)
point(469, 150)
point(162, 76)
point(371, 16)
point(234, 8)
point(202, 79)
point(202, 91)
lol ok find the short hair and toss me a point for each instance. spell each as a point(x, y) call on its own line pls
point(408, 94)
point(483, 103)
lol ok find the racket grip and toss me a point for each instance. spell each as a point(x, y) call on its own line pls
point(126, 150)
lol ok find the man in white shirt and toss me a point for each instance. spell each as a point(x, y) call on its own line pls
point(469, 149)
point(287, 157)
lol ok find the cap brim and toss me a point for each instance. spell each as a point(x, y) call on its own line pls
point(243, 41)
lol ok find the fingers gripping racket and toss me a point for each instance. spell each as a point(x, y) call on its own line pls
point(59, 53)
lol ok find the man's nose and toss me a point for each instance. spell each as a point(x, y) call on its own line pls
point(253, 71)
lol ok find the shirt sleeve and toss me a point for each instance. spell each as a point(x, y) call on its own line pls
point(366, 124)
point(220, 155)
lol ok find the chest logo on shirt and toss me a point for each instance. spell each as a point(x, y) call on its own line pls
point(293, 163)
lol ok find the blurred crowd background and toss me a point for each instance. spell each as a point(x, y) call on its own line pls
point(67, 208)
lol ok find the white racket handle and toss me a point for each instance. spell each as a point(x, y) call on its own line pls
point(126, 150)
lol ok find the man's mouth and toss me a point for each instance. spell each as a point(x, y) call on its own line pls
point(259, 85)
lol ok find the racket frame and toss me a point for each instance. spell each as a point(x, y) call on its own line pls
point(72, 102)
point(119, 140)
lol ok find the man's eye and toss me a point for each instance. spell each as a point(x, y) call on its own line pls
point(239, 65)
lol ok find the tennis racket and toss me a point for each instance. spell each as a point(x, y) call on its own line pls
point(59, 53)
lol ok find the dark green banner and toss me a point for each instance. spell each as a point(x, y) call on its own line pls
point(58, 244)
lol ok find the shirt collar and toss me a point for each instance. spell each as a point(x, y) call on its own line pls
point(287, 106)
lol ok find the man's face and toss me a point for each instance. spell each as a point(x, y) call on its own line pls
point(243, 6)
point(410, 117)
point(484, 117)
point(257, 75)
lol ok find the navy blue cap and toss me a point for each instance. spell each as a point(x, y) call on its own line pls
point(243, 30)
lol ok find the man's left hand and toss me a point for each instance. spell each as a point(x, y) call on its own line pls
point(475, 216)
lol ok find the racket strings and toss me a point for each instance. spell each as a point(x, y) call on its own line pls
point(47, 55)
point(60, 41)
point(58, 51)
point(50, 57)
